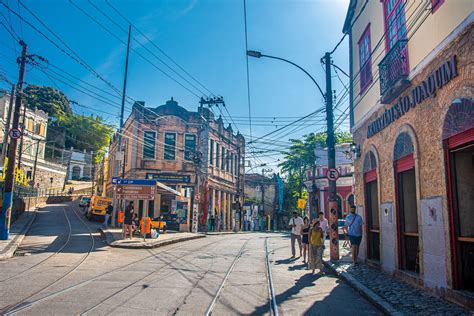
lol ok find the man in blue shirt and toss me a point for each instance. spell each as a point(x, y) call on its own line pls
point(353, 228)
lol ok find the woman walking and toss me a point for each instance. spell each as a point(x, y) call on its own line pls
point(316, 247)
point(304, 240)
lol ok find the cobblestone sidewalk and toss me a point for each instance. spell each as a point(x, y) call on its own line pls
point(392, 295)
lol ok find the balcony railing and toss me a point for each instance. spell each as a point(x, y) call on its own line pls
point(394, 70)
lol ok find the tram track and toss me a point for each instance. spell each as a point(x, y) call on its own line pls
point(273, 308)
point(165, 265)
point(68, 238)
point(21, 304)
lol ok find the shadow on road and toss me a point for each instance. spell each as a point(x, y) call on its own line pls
point(286, 261)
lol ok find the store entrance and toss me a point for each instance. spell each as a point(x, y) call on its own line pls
point(408, 221)
point(461, 164)
point(373, 225)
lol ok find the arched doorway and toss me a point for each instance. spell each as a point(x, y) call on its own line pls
point(407, 209)
point(458, 141)
point(76, 173)
point(372, 206)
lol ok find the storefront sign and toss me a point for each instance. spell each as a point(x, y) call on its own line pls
point(436, 80)
point(169, 177)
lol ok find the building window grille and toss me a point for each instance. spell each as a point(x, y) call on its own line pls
point(217, 155)
point(211, 152)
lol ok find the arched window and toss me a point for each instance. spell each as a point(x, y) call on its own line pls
point(76, 173)
point(372, 206)
point(407, 209)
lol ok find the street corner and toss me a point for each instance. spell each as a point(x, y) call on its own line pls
point(113, 238)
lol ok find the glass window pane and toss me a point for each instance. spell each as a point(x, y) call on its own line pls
point(170, 146)
point(189, 146)
point(149, 145)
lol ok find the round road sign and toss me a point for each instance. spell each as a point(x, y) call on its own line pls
point(332, 174)
point(14, 133)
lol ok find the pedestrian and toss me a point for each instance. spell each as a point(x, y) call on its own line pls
point(213, 223)
point(127, 222)
point(88, 205)
point(108, 213)
point(134, 223)
point(323, 223)
point(296, 224)
point(304, 239)
point(353, 228)
point(316, 247)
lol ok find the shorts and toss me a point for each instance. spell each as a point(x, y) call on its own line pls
point(355, 240)
point(127, 221)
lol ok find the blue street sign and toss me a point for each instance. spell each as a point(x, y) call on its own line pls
point(133, 181)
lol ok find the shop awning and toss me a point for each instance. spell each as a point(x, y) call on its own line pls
point(161, 187)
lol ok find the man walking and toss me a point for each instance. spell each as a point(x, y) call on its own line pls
point(108, 212)
point(353, 228)
point(296, 223)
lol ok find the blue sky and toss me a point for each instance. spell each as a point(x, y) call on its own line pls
point(205, 37)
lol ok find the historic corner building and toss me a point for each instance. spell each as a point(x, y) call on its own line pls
point(412, 117)
point(186, 151)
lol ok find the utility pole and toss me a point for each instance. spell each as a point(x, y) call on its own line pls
point(334, 237)
point(119, 141)
point(7, 125)
point(36, 161)
point(9, 176)
point(20, 152)
point(263, 192)
point(314, 196)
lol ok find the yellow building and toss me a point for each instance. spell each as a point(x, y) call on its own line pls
point(412, 116)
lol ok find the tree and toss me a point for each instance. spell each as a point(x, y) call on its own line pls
point(48, 99)
point(87, 132)
point(301, 156)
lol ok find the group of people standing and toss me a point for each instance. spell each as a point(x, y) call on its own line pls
point(310, 238)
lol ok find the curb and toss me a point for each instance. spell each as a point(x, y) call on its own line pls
point(110, 240)
point(16, 242)
point(370, 295)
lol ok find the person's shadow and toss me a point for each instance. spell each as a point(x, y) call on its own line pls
point(286, 261)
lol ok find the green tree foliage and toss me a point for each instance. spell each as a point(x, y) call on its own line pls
point(299, 157)
point(81, 132)
point(48, 99)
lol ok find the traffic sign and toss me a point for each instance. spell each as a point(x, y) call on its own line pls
point(332, 174)
point(135, 192)
point(145, 182)
point(14, 133)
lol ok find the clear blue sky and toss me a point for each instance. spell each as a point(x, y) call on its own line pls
point(206, 37)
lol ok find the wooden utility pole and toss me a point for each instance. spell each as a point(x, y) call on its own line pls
point(9, 176)
point(330, 141)
point(119, 141)
point(36, 161)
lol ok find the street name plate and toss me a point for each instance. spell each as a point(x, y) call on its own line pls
point(135, 192)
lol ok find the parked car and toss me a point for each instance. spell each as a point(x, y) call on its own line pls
point(83, 200)
point(171, 220)
point(98, 207)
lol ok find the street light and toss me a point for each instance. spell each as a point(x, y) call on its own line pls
point(257, 54)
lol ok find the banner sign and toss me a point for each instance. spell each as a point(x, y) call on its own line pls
point(427, 88)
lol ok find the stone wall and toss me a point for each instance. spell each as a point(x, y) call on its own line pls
point(424, 123)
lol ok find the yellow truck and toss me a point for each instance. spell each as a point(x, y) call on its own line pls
point(98, 207)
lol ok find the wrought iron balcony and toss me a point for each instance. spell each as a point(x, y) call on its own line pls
point(394, 70)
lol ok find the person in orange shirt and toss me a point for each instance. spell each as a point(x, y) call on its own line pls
point(316, 247)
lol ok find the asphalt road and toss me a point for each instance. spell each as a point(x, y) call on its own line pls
point(64, 268)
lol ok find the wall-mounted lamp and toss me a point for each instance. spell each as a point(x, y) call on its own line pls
point(355, 150)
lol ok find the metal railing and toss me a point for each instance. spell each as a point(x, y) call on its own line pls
point(394, 66)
